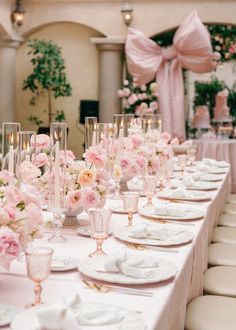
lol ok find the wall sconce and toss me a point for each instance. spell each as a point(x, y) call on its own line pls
point(126, 12)
point(17, 16)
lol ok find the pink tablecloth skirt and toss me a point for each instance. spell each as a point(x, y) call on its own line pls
point(219, 150)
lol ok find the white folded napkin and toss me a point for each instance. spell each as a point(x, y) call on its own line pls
point(213, 162)
point(162, 233)
point(180, 192)
point(190, 182)
point(135, 184)
point(132, 266)
point(203, 167)
point(197, 175)
point(71, 314)
point(171, 210)
point(175, 183)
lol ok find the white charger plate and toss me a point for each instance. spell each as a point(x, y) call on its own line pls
point(205, 177)
point(194, 196)
point(180, 236)
point(7, 314)
point(201, 185)
point(212, 170)
point(193, 214)
point(130, 320)
point(221, 164)
point(86, 231)
point(90, 267)
point(63, 263)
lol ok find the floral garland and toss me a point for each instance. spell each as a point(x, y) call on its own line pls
point(139, 100)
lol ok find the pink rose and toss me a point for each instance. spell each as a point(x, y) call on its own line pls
point(75, 199)
point(11, 211)
point(67, 157)
point(154, 105)
point(216, 56)
point(92, 199)
point(9, 246)
point(42, 141)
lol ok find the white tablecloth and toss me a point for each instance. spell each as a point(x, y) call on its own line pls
point(164, 311)
point(219, 150)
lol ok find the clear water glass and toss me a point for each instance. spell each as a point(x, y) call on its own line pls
point(99, 222)
point(191, 153)
point(38, 264)
point(130, 202)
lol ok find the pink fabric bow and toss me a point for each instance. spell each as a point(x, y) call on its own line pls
point(146, 60)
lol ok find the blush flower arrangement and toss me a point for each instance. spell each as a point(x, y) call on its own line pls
point(83, 188)
point(139, 100)
point(20, 218)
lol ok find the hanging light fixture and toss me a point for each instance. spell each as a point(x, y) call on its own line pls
point(127, 13)
point(17, 16)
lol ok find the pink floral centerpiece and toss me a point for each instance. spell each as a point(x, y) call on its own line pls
point(20, 218)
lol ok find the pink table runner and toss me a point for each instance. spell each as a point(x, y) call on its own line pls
point(164, 311)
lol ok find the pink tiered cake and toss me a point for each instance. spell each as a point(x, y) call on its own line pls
point(221, 111)
point(201, 117)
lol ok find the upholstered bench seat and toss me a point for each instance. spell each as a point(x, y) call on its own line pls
point(232, 198)
point(224, 235)
point(229, 208)
point(227, 220)
point(222, 254)
point(211, 313)
point(220, 281)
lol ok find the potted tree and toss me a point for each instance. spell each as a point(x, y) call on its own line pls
point(48, 78)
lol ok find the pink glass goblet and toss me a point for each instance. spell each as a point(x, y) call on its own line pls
point(149, 187)
point(182, 162)
point(99, 221)
point(191, 153)
point(38, 264)
point(130, 201)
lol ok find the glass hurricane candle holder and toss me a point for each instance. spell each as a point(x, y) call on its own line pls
point(9, 145)
point(119, 122)
point(58, 138)
point(38, 264)
point(26, 152)
point(90, 135)
point(130, 202)
point(128, 122)
point(99, 221)
point(149, 187)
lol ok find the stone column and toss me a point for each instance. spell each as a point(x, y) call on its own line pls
point(110, 76)
point(7, 78)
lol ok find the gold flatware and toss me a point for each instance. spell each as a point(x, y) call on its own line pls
point(107, 288)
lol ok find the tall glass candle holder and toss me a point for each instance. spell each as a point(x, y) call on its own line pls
point(9, 145)
point(119, 121)
point(90, 132)
point(58, 137)
point(128, 122)
point(26, 152)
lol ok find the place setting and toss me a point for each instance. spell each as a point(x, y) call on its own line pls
point(191, 184)
point(182, 194)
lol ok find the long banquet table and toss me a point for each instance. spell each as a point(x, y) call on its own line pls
point(166, 309)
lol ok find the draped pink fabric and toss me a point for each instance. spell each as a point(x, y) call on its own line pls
point(146, 60)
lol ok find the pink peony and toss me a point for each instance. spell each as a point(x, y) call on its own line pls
point(174, 141)
point(137, 140)
point(40, 159)
point(11, 211)
point(42, 141)
point(9, 246)
point(4, 217)
point(13, 194)
point(34, 217)
point(67, 157)
point(6, 177)
point(75, 199)
point(92, 199)
point(94, 156)
point(166, 137)
point(132, 99)
point(28, 171)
